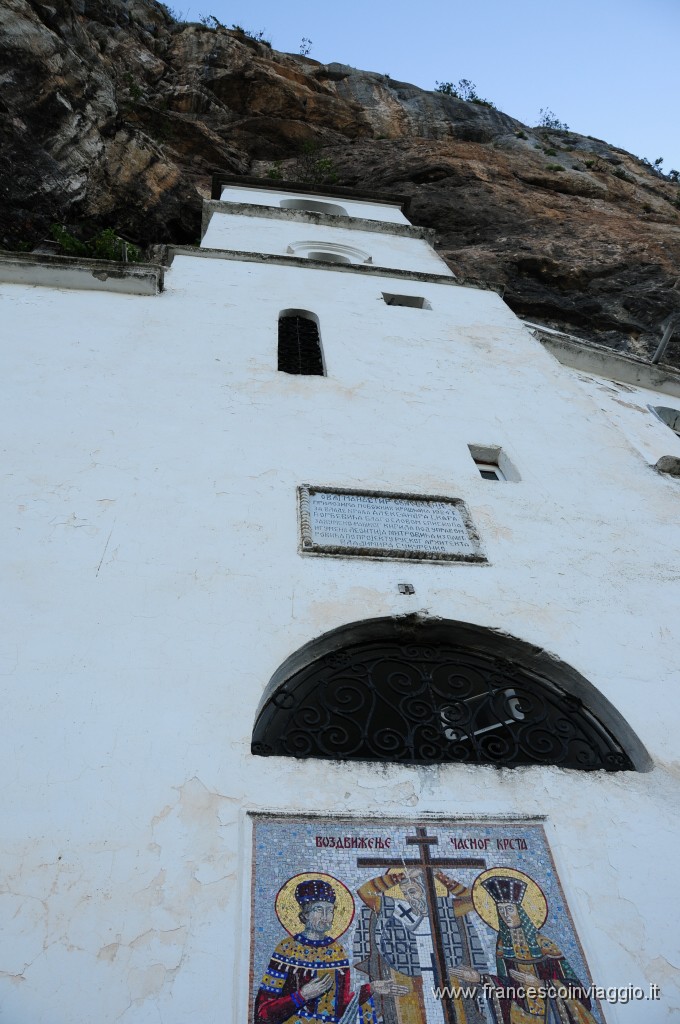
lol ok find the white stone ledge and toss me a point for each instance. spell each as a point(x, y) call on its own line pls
point(80, 273)
point(298, 188)
point(605, 362)
point(329, 220)
point(272, 259)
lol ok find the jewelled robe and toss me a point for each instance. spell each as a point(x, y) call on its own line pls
point(539, 956)
point(395, 941)
point(297, 961)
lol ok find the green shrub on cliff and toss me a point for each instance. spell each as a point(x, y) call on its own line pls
point(463, 90)
point(312, 168)
point(548, 119)
point(107, 245)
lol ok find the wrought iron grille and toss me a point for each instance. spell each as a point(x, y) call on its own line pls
point(299, 346)
point(417, 704)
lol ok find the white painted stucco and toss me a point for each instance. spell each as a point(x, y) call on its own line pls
point(629, 408)
point(388, 212)
point(154, 585)
point(280, 237)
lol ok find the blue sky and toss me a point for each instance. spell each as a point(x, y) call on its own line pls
point(608, 68)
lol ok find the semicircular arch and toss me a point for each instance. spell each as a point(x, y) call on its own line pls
point(413, 690)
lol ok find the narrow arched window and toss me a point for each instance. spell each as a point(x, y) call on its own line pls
point(299, 343)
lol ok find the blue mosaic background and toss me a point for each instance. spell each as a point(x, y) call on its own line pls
point(284, 847)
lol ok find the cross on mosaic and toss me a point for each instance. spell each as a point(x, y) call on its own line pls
point(390, 922)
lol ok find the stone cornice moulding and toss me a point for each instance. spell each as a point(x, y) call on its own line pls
point(328, 220)
point(81, 273)
point(590, 357)
point(304, 189)
point(272, 259)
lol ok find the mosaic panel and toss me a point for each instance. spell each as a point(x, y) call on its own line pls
point(412, 923)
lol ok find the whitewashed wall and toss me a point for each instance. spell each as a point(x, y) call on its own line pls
point(153, 453)
point(628, 407)
point(248, 234)
point(387, 212)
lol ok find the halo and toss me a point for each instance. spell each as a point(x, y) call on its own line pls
point(288, 908)
point(533, 902)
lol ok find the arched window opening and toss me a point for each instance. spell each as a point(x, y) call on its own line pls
point(328, 252)
point(327, 257)
point(313, 206)
point(299, 343)
point(418, 696)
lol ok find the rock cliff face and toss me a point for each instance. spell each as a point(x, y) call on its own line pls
point(112, 114)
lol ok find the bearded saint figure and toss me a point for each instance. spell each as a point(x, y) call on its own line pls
point(395, 939)
point(308, 976)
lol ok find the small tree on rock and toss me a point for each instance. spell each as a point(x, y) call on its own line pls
point(549, 119)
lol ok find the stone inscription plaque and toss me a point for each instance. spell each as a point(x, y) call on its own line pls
point(378, 525)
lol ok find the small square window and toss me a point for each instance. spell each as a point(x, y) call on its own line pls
point(489, 471)
point(492, 462)
point(414, 301)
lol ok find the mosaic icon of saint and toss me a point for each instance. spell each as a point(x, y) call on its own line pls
point(308, 975)
point(513, 905)
point(396, 939)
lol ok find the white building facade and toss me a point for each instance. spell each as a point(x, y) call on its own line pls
point(162, 607)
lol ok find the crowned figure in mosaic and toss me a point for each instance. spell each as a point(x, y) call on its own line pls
point(308, 975)
point(396, 938)
point(534, 982)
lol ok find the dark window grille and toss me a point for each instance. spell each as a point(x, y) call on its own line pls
point(299, 346)
point(416, 704)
